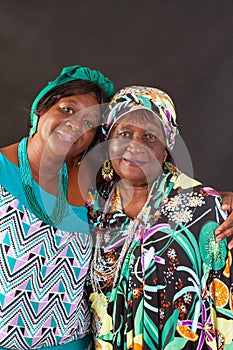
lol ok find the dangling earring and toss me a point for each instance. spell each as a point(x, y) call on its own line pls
point(34, 122)
point(107, 171)
point(82, 157)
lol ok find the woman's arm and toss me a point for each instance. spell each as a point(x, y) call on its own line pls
point(226, 228)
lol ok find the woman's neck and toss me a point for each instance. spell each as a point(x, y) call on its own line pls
point(133, 198)
point(44, 166)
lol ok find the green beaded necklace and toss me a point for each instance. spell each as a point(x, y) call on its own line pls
point(60, 206)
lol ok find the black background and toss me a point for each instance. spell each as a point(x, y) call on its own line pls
point(183, 47)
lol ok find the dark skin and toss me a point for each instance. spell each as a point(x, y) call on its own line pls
point(137, 152)
point(63, 134)
point(133, 199)
point(226, 228)
point(49, 178)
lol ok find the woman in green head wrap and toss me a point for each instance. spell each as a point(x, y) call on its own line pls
point(46, 246)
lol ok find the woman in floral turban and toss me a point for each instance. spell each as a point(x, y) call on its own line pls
point(158, 278)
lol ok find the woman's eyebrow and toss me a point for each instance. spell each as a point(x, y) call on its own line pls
point(150, 127)
point(70, 100)
point(154, 129)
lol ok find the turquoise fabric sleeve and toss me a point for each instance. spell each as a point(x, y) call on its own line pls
point(79, 344)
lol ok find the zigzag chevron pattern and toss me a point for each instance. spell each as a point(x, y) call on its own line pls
point(42, 274)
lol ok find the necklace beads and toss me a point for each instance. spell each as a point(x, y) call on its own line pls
point(60, 206)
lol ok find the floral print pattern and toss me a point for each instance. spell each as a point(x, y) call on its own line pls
point(175, 288)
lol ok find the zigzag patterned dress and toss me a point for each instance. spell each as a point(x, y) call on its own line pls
point(42, 273)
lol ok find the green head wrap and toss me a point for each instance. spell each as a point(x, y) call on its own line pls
point(75, 73)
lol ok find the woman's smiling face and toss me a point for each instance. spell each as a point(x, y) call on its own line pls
point(136, 147)
point(69, 126)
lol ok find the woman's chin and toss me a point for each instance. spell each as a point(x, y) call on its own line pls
point(137, 176)
point(60, 146)
point(133, 179)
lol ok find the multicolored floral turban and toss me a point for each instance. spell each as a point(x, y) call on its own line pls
point(75, 73)
point(133, 98)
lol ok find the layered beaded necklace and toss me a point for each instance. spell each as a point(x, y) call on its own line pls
point(100, 273)
point(60, 206)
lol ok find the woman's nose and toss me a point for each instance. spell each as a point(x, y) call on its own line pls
point(74, 124)
point(135, 146)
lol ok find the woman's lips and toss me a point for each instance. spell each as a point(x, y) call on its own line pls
point(134, 162)
point(67, 136)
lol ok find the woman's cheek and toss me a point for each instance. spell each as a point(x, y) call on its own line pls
point(116, 149)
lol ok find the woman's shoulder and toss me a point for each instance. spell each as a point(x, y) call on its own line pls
point(185, 183)
point(11, 153)
point(193, 193)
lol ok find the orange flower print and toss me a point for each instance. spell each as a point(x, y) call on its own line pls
point(137, 292)
point(219, 293)
point(183, 309)
point(186, 332)
point(231, 299)
point(180, 305)
point(130, 302)
point(226, 271)
point(183, 215)
point(174, 203)
point(203, 192)
point(110, 257)
point(195, 201)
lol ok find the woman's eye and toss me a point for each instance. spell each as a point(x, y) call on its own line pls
point(68, 109)
point(151, 137)
point(124, 133)
point(90, 123)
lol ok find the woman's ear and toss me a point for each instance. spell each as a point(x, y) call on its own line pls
point(165, 154)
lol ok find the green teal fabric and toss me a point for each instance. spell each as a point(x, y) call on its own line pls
point(74, 73)
point(76, 217)
point(80, 344)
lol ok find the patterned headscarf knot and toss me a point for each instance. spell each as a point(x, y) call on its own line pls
point(133, 98)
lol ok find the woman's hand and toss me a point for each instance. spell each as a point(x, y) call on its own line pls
point(226, 228)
